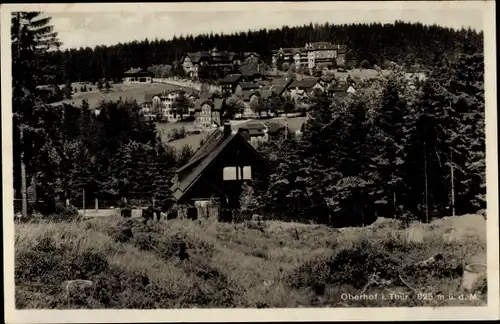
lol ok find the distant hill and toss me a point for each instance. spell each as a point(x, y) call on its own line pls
point(400, 42)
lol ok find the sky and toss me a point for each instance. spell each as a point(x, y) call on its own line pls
point(91, 28)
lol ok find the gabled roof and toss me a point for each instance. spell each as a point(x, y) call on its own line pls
point(248, 72)
point(218, 102)
point(307, 83)
point(283, 81)
point(339, 87)
point(230, 78)
point(273, 127)
point(200, 102)
point(304, 83)
point(265, 93)
point(278, 89)
point(188, 174)
point(248, 85)
point(247, 54)
point(252, 125)
point(327, 78)
point(246, 94)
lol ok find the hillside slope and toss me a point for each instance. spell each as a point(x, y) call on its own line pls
point(272, 264)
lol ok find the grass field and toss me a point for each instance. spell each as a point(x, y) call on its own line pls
point(250, 264)
point(132, 91)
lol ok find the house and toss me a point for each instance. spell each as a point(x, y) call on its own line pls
point(340, 89)
point(253, 132)
point(326, 80)
point(213, 59)
point(245, 86)
point(312, 55)
point(229, 83)
point(208, 112)
point(250, 74)
point(301, 89)
point(280, 86)
point(217, 172)
point(137, 76)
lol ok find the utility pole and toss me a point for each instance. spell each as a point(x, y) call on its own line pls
point(23, 181)
point(83, 202)
point(426, 188)
point(452, 184)
point(24, 201)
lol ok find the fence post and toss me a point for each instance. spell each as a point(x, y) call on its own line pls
point(96, 204)
point(83, 202)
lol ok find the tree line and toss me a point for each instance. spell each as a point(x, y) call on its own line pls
point(370, 44)
point(395, 149)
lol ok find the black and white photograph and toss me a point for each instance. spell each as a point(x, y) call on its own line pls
point(302, 160)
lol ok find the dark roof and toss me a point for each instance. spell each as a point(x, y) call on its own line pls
point(265, 93)
point(327, 78)
point(307, 83)
point(255, 132)
point(339, 87)
point(200, 102)
point(278, 89)
point(274, 127)
point(218, 102)
point(283, 81)
point(247, 71)
point(188, 174)
point(246, 94)
point(212, 146)
point(252, 125)
point(231, 78)
point(246, 54)
point(248, 85)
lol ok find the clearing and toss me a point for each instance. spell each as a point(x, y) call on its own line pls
point(124, 91)
point(250, 264)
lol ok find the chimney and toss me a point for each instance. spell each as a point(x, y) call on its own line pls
point(227, 128)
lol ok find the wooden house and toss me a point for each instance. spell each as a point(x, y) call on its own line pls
point(229, 83)
point(217, 171)
point(254, 132)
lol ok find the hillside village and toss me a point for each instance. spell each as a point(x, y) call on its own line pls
point(269, 168)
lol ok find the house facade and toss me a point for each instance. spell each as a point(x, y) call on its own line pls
point(208, 112)
point(312, 55)
point(137, 76)
point(213, 59)
point(217, 171)
point(229, 83)
point(254, 132)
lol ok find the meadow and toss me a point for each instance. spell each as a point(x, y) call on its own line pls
point(123, 91)
point(134, 264)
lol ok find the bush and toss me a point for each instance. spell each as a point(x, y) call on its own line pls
point(64, 213)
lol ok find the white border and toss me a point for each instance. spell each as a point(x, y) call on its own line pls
point(211, 315)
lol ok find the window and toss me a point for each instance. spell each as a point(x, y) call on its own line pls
point(247, 173)
point(229, 173)
point(237, 173)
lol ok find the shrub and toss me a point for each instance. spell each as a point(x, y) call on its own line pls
point(64, 213)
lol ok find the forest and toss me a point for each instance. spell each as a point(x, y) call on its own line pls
point(401, 42)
